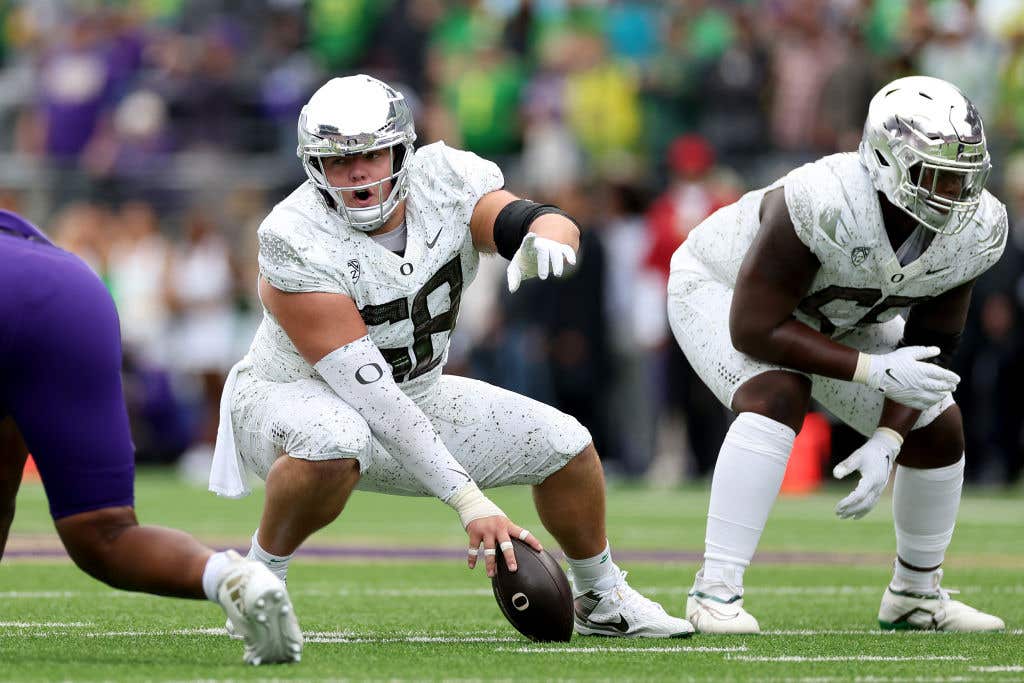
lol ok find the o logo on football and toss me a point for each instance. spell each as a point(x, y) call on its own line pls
point(520, 601)
point(374, 374)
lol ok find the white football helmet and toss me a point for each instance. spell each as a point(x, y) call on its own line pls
point(354, 115)
point(924, 146)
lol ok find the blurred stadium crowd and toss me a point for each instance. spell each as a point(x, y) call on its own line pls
point(152, 137)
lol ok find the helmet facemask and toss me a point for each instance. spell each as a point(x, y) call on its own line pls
point(353, 116)
point(925, 150)
point(940, 193)
point(368, 218)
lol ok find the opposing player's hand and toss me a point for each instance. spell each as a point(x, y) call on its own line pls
point(537, 257)
point(904, 376)
point(490, 535)
point(874, 462)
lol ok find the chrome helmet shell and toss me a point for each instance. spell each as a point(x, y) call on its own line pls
point(355, 115)
point(924, 147)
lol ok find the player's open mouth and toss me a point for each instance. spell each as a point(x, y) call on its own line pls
point(362, 195)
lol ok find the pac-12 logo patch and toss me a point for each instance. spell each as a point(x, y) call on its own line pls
point(354, 270)
point(859, 255)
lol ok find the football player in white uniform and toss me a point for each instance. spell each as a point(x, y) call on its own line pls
point(848, 280)
point(361, 272)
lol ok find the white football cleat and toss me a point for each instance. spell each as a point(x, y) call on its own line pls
point(717, 607)
point(932, 611)
point(621, 612)
point(260, 611)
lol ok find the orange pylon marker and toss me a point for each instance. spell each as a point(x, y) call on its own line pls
point(31, 472)
point(810, 450)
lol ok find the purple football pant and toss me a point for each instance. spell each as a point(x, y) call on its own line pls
point(60, 376)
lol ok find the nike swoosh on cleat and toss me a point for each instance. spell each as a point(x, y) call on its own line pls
point(622, 626)
point(431, 243)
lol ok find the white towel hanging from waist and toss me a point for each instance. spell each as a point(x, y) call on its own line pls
point(227, 473)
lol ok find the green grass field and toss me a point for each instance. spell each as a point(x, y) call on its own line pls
point(369, 616)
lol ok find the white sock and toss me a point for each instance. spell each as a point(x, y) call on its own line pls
point(594, 573)
point(748, 474)
point(213, 572)
point(275, 563)
point(924, 508)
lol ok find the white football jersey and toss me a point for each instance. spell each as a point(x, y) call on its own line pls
point(836, 212)
point(409, 303)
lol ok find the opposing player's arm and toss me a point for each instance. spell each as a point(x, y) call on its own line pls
point(537, 239)
point(13, 454)
point(330, 334)
point(775, 275)
point(939, 323)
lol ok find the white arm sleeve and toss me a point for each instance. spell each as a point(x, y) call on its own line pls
point(359, 374)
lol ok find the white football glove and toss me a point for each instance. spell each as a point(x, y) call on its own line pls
point(904, 376)
point(874, 462)
point(536, 257)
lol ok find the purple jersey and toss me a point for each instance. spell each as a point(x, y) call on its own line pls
point(60, 371)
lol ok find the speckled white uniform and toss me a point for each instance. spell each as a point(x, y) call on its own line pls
point(410, 304)
point(857, 296)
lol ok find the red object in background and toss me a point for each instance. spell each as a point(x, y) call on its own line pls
point(691, 155)
point(811, 449)
point(692, 196)
point(666, 229)
point(30, 473)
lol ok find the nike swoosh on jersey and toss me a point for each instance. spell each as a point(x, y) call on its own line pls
point(937, 270)
point(431, 243)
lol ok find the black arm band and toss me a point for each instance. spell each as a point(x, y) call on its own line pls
point(513, 222)
point(948, 342)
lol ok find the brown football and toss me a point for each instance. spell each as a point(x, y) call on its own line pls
point(536, 598)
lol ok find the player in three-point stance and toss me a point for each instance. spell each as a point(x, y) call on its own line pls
point(60, 394)
point(361, 271)
point(847, 281)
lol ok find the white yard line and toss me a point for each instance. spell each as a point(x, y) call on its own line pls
point(49, 595)
point(1014, 668)
point(175, 632)
point(45, 624)
point(535, 650)
point(325, 638)
point(848, 658)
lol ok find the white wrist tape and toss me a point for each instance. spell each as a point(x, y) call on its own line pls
point(471, 503)
point(891, 433)
point(860, 374)
point(358, 373)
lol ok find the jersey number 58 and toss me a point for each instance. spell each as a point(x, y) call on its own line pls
point(406, 365)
